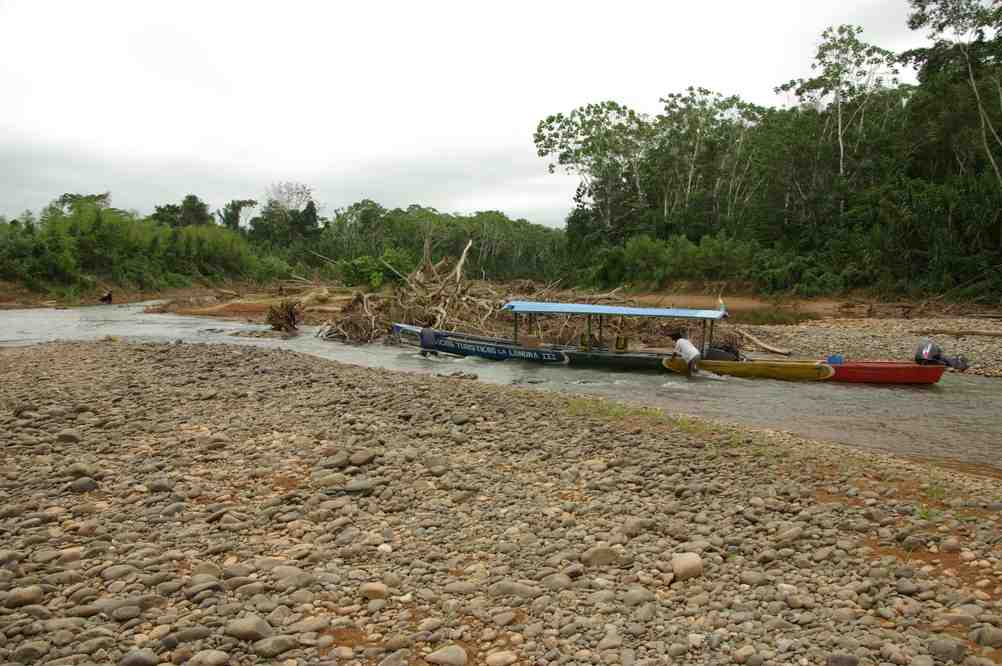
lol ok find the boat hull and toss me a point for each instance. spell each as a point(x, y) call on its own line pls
point(859, 372)
point(499, 349)
point(783, 370)
point(887, 372)
point(458, 344)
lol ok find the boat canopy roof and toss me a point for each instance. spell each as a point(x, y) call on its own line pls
point(533, 307)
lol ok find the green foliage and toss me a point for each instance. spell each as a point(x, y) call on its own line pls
point(374, 272)
point(863, 184)
point(229, 216)
point(860, 183)
point(502, 249)
point(648, 262)
point(81, 241)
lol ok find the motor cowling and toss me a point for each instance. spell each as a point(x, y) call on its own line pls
point(929, 353)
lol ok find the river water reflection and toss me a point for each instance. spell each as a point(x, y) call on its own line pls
point(959, 419)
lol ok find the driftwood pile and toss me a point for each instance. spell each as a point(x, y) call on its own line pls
point(285, 316)
point(438, 295)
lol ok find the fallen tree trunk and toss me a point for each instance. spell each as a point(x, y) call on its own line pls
point(959, 333)
point(765, 347)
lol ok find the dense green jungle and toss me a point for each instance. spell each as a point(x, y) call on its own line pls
point(860, 182)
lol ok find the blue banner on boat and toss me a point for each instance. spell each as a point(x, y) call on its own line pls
point(495, 351)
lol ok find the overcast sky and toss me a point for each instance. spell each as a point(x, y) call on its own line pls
point(404, 102)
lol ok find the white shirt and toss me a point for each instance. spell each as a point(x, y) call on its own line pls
point(686, 349)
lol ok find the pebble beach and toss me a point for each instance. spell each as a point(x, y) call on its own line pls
point(213, 504)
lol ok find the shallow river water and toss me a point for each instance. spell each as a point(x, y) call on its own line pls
point(958, 419)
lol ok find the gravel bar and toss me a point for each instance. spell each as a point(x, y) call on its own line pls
point(214, 504)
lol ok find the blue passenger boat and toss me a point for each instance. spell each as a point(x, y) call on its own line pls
point(587, 354)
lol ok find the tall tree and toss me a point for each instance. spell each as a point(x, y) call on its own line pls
point(965, 25)
point(194, 212)
point(290, 194)
point(69, 200)
point(604, 145)
point(849, 72)
point(168, 214)
point(230, 215)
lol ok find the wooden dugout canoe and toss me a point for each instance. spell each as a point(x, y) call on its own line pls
point(887, 372)
point(859, 372)
point(784, 370)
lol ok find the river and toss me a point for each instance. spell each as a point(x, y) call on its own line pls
point(959, 419)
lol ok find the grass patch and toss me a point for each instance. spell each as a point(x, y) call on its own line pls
point(67, 295)
point(690, 425)
point(936, 493)
point(770, 317)
point(610, 411)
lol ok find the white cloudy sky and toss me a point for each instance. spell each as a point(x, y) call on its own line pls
point(403, 102)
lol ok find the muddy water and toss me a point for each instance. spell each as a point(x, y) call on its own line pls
point(958, 419)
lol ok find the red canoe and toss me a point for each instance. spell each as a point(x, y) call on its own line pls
point(886, 372)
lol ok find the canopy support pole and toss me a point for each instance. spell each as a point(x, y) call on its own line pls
point(515, 334)
point(709, 341)
point(601, 335)
point(703, 345)
point(588, 340)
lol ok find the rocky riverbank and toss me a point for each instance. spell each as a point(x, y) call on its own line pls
point(221, 505)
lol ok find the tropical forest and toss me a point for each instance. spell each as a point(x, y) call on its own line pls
point(880, 172)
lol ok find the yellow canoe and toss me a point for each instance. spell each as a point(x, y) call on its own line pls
point(788, 370)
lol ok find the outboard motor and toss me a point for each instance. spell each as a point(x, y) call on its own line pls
point(929, 353)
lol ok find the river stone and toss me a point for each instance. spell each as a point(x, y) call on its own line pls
point(117, 571)
point(557, 581)
point(139, 658)
point(988, 636)
point(24, 596)
point(945, 649)
point(399, 658)
point(460, 587)
point(84, 484)
point(29, 653)
point(742, 654)
point(790, 535)
point(450, 655)
point(209, 658)
point(250, 628)
point(686, 565)
point(504, 658)
point(274, 646)
point(374, 591)
point(637, 595)
point(599, 556)
point(843, 660)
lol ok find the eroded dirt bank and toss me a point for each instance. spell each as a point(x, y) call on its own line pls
point(215, 504)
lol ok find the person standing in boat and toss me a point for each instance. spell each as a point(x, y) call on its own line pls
point(687, 351)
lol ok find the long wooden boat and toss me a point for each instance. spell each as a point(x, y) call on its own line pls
point(499, 349)
point(792, 370)
point(887, 372)
point(860, 372)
